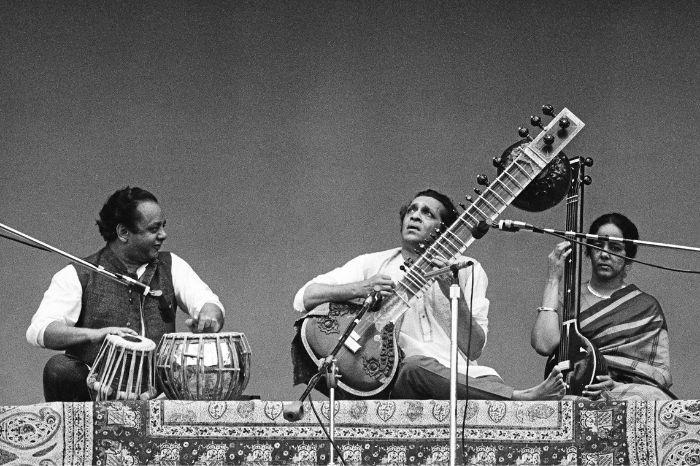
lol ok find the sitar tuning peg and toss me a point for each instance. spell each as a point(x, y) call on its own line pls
point(482, 179)
point(477, 191)
point(587, 180)
point(463, 206)
point(469, 198)
point(497, 162)
point(523, 132)
point(564, 123)
point(536, 121)
point(548, 139)
point(548, 110)
point(588, 162)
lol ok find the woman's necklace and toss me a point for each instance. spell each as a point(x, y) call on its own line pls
point(600, 295)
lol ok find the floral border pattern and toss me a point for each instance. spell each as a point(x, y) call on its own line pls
point(367, 432)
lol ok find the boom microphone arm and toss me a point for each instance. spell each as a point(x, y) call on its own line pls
point(514, 225)
point(118, 277)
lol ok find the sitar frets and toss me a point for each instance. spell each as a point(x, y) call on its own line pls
point(526, 165)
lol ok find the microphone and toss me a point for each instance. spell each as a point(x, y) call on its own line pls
point(514, 225)
point(373, 301)
point(450, 268)
point(294, 411)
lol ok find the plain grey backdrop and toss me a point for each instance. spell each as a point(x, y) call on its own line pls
point(281, 139)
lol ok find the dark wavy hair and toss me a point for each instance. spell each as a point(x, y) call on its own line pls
point(121, 208)
point(448, 217)
point(628, 229)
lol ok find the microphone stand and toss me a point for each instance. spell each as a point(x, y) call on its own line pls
point(331, 377)
point(121, 278)
point(514, 226)
point(455, 292)
point(329, 368)
point(573, 234)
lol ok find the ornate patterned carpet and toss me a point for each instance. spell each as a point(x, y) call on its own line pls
point(367, 432)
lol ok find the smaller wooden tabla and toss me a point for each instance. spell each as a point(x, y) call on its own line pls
point(123, 369)
point(203, 366)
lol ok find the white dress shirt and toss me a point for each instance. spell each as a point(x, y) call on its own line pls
point(421, 334)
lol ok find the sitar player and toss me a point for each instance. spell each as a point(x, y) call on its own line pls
point(425, 328)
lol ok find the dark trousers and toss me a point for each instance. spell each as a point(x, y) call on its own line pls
point(65, 379)
point(424, 378)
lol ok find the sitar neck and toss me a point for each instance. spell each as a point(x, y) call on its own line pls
point(572, 266)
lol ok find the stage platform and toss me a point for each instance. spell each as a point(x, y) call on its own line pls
point(368, 432)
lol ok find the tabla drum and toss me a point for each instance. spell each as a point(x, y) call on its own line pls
point(203, 366)
point(123, 369)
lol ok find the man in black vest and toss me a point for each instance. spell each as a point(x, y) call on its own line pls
point(82, 307)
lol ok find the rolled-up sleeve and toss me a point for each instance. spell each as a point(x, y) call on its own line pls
point(190, 291)
point(61, 303)
point(299, 298)
point(352, 271)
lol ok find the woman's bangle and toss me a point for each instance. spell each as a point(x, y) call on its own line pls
point(545, 309)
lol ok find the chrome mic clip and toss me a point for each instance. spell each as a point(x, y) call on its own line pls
point(373, 301)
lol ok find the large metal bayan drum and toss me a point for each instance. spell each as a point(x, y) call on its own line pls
point(203, 366)
point(123, 369)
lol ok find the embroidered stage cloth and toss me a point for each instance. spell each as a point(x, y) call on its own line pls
point(366, 432)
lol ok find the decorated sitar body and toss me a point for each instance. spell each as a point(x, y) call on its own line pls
point(368, 362)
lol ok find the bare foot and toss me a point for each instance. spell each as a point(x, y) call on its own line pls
point(553, 388)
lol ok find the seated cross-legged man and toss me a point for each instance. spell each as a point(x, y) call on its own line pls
point(424, 337)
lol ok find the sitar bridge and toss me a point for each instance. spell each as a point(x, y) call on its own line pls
point(351, 343)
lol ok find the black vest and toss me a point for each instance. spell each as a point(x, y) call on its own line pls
point(106, 303)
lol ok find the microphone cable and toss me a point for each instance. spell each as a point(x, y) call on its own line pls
point(466, 376)
point(325, 431)
point(26, 243)
point(588, 245)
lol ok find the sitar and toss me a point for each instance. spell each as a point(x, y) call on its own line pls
point(369, 359)
point(576, 357)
